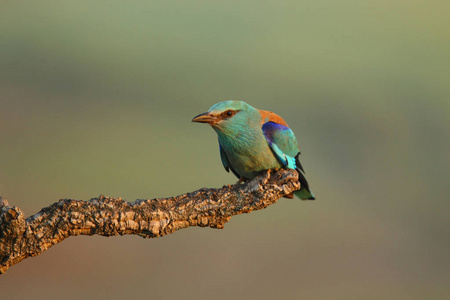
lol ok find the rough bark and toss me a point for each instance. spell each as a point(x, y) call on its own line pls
point(21, 238)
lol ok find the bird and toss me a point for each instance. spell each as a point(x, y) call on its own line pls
point(253, 140)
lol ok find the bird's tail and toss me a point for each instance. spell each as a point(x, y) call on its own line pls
point(304, 192)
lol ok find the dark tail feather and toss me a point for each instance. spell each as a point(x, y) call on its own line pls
point(304, 192)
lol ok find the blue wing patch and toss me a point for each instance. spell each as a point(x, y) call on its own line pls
point(283, 159)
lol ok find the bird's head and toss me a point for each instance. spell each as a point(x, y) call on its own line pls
point(227, 114)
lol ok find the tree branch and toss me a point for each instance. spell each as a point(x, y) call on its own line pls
point(21, 238)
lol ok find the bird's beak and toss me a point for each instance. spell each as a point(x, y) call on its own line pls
point(205, 118)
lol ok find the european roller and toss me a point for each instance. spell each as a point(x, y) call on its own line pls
point(253, 140)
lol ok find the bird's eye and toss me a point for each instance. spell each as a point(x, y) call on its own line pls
point(228, 114)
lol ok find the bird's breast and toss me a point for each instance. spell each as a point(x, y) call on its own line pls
point(247, 154)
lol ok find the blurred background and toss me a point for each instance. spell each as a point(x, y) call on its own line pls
point(97, 97)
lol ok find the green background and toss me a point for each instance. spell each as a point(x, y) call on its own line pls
point(97, 97)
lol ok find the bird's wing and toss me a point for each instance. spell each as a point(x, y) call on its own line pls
point(282, 142)
point(284, 146)
point(226, 162)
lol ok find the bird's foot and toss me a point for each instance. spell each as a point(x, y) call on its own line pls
point(242, 179)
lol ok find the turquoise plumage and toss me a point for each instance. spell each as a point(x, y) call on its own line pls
point(253, 140)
